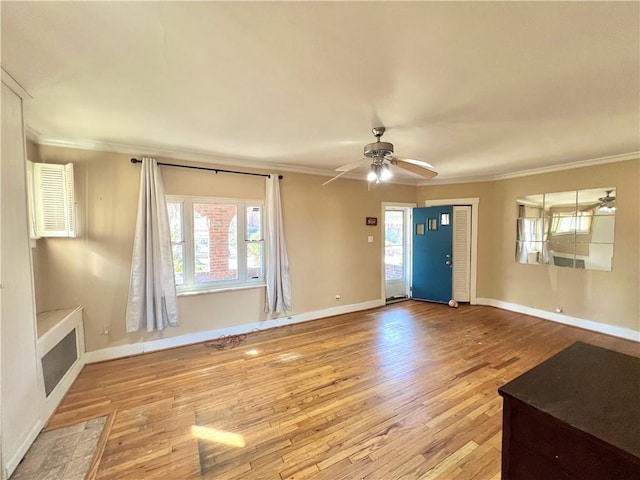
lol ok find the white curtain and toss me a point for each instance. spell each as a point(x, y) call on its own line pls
point(276, 261)
point(152, 290)
point(522, 245)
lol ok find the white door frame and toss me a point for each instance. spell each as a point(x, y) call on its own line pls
point(474, 203)
point(408, 243)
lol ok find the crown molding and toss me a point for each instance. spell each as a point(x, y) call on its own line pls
point(194, 156)
point(536, 171)
point(32, 134)
point(449, 181)
point(186, 155)
point(570, 166)
point(213, 159)
point(14, 85)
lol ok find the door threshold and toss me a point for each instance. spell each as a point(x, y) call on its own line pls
point(390, 300)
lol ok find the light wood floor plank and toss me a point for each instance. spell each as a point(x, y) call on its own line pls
point(403, 391)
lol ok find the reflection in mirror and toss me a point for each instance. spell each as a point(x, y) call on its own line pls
point(561, 210)
point(600, 201)
point(599, 257)
point(567, 229)
point(562, 252)
point(531, 230)
point(530, 206)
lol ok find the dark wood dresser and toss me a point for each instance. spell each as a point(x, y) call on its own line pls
point(574, 416)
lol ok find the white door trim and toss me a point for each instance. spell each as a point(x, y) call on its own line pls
point(385, 205)
point(474, 202)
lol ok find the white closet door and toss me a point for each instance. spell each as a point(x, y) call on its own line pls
point(20, 394)
point(461, 253)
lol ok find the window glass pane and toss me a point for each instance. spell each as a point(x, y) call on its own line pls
point(178, 262)
point(393, 244)
point(254, 260)
point(393, 269)
point(254, 223)
point(394, 224)
point(174, 210)
point(215, 238)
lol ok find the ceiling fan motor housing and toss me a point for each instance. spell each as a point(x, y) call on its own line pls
point(378, 149)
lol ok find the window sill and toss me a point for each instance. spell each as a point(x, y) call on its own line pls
point(229, 288)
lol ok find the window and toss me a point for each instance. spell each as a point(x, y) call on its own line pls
point(51, 200)
point(569, 222)
point(216, 242)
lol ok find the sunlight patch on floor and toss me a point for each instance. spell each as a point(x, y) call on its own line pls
point(217, 436)
point(288, 357)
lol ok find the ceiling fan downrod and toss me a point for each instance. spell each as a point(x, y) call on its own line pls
point(378, 148)
point(378, 132)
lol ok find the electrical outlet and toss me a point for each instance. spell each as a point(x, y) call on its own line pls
point(559, 310)
point(106, 330)
point(338, 296)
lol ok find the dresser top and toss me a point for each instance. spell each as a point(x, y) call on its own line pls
point(590, 388)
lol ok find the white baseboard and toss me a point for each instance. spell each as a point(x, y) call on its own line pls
point(620, 332)
point(111, 353)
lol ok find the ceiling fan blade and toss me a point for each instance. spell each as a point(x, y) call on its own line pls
point(419, 163)
point(586, 208)
point(334, 178)
point(350, 166)
point(423, 169)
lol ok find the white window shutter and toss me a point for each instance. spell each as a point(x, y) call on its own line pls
point(461, 253)
point(70, 200)
point(54, 199)
point(31, 202)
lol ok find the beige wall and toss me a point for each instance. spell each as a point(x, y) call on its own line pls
point(327, 241)
point(324, 228)
point(606, 297)
point(610, 298)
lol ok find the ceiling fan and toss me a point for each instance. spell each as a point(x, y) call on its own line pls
point(380, 154)
point(606, 204)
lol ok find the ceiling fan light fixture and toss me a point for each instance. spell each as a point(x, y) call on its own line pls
point(607, 208)
point(372, 176)
point(385, 172)
point(377, 173)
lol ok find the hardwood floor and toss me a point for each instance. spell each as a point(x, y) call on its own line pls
point(404, 391)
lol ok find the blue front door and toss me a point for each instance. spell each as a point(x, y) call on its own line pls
point(432, 240)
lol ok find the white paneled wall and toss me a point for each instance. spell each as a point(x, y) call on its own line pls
point(20, 386)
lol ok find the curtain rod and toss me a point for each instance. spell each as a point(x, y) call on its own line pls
point(217, 170)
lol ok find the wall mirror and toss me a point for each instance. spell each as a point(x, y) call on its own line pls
point(567, 229)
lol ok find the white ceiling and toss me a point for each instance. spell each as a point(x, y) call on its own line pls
point(478, 89)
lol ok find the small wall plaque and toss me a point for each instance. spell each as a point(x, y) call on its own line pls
point(372, 221)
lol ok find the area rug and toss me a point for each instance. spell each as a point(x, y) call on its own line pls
point(70, 453)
